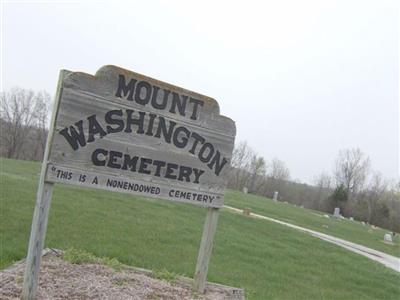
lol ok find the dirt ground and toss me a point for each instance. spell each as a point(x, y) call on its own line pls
point(62, 280)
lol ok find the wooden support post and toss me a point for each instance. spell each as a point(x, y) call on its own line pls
point(36, 241)
point(41, 212)
point(210, 226)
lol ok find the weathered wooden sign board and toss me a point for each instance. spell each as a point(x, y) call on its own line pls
point(125, 132)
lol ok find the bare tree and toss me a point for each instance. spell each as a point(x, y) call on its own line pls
point(277, 177)
point(21, 112)
point(323, 184)
point(323, 181)
point(279, 171)
point(374, 194)
point(258, 168)
point(241, 160)
point(351, 170)
point(43, 100)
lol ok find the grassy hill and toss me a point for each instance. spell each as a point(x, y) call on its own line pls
point(268, 260)
point(353, 231)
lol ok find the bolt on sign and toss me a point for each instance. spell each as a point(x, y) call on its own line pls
point(125, 132)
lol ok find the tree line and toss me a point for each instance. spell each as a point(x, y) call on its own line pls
point(24, 116)
point(352, 185)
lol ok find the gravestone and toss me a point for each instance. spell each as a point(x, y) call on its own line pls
point(351, 219)
point(387, 237)
point(245, 190)
point(275, 198)
point(336, 213)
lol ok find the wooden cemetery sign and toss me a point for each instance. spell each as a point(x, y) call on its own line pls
point(125, 132)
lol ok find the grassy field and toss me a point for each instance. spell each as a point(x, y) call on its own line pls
point(342, 228)
point(268, 260)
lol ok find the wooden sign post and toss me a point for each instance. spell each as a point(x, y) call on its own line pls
point(125, 132)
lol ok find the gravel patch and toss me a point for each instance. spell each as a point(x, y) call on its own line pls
point(62, 280)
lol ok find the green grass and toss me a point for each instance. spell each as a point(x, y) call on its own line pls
point(268, 260)
point(342, 228)
point(77, 256)
point(165, 275)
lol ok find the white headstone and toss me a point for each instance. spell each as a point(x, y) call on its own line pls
point(245, 190)
point(351, 219)
point(387, 237)
point(336, 213)
point(275, 198)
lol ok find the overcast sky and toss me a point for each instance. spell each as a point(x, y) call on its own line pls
point(301, 79)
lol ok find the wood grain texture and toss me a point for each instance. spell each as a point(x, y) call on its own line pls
point(190, 167)
point(210, 226)
point(84, 95)
point(36, 242)
point(41, 212)
point(177, 193)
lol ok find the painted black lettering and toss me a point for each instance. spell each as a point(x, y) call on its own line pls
point(178, 102)
point(197, 138)
point(129, 163)
point(184, 173)
point(94, 128)
point(196, 104)
point(164, 102)
point(113, 159)
point(197, 174)
point(206, 157)
point(182, 142)
point(139, 122)
point(162, 127)
point(109, 120)
point(143, 93)
point(144, 163)
point(149, 131)
point(124, 88)
point(170, 171)
point(74, 138)
point(95, 157)
point(159, 164)
point(217, 163)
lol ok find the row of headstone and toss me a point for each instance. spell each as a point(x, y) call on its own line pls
point(275, 197)
point(387, 237)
